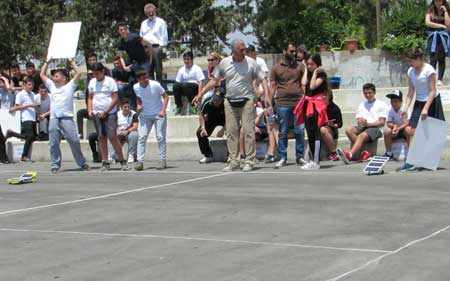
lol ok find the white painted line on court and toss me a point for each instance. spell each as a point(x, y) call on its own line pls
point(378, 259)
point(200, 239)
point(108, 195)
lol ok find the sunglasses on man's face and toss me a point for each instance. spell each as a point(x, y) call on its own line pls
point(211, 59)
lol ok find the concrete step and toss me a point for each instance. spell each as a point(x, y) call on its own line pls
point(177, 149)
point(347, 99)
point(186, 126)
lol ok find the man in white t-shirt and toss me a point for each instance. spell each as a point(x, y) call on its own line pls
point(61, 115)
point(43, 111)
point(102, 107)
point(371, 118)
point(26, 103)
point(188, 83)
point(152, 102)
point(127, 124)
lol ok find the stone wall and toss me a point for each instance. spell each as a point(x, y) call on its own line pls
point(355, 69)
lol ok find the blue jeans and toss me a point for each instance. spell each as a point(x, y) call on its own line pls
point(145, 126)
point(286, 118)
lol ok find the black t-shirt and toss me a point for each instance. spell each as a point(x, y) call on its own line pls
point(334, 112)
point(37, 81)
point(322, 89)
point(212, 113)
point(17, 80)
point(121, 75)
point(134, 48)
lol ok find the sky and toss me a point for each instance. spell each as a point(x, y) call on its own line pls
point(248, 39)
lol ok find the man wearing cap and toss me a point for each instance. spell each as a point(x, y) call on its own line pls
point(212, 114)
point(251, 52)
point(154, 30)
point(396, 122)
point(239, 72)
point(33, 74)
point(61, 115)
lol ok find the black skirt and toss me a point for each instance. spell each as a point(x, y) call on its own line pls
point(434, 111)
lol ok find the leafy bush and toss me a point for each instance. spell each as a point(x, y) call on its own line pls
point(404, 25)
point(398, 45)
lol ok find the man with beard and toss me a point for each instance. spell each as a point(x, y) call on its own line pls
point(285, 84)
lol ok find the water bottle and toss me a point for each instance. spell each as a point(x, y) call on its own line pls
point(401, 156)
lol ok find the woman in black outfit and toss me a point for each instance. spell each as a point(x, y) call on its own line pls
point(312, 109)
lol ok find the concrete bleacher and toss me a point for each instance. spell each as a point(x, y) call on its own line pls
point(182, 142)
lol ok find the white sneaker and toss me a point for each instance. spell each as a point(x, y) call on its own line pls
point(247, 168)
point(231, 167)
point(310, 166)
point(205, 160)
point(130, 159)
point(280, 163)
point(439, 83)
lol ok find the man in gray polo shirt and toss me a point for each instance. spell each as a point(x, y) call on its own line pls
point(239, 72)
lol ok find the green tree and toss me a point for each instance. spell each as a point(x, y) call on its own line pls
point(404, 25)
point(27, 25)
point(313, 22)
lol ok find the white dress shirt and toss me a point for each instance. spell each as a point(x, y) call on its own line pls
point(154, 31)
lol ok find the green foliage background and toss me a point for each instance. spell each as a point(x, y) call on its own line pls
point(27, 23)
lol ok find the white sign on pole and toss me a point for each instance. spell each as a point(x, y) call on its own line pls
point(64, 40)
point(428, 144)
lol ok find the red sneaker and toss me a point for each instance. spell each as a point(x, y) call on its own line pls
point(344, 155)
point(333, 157)
point(365, 155)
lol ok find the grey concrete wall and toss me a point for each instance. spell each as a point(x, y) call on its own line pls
point(355, 69)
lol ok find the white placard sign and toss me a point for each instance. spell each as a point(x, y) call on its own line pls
point(9, 121)
point(428, 144)
point(64, 40)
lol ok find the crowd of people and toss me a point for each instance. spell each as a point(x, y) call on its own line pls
point(238, 93)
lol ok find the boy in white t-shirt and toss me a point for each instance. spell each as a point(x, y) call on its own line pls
point(127, 124)
point(370, 117)
point(396, 122)
point(188, 82)
point(152, 102)
point(102, 107)
point(25, 103)
point(61, 115)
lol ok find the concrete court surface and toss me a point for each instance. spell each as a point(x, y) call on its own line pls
point(192, 222)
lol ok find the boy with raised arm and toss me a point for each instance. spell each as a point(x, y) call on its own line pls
point(61, 115)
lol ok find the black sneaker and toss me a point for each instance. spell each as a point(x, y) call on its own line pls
point(124, 165)
point(270, 159)
point(54, 170)
point(105, 166)
point(86, 167)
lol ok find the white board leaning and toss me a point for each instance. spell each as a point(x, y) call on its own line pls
point(9, 121)
point(428, 144)
point(64, 40)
